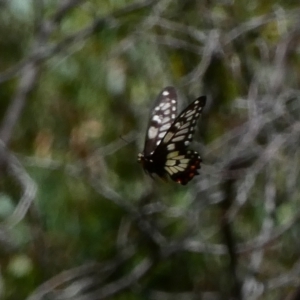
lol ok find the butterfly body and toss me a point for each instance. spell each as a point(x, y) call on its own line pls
point(168, 136)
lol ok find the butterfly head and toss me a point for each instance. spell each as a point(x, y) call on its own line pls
point(151, 165)
point(141, 159)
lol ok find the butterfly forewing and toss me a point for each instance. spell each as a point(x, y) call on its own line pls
point(183, 168)
point(162, 116)
point(181, 132)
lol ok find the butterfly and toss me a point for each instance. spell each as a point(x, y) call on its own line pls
point(168, 135)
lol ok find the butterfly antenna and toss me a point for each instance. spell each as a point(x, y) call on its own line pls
point(124, 140)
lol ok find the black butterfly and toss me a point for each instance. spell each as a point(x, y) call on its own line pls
point(168, 136)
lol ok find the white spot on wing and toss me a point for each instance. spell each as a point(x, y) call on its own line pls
point(166, 120)
point(165, 127)
point(178, 139)
point(168, 136)
point(167, 112)
point(162, 134)
point(186, 143)
point(189, 113)
point(183, 131)
point(184, 161)
point(152, 132)
point(168, 170)
point(171, 147)
point(179, 168)
point(185, 125)
point(165, 93)
point(172, 154)
point(170, 162)
point(183, 165)
point(179, 157)
point(173, 101)
point(173, 169)
point(156, 118)
point(173, 116)
point(166, 106)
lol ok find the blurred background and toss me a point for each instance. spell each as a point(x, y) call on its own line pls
point(79, 218)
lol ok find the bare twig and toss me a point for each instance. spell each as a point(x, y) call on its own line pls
point(28, 186)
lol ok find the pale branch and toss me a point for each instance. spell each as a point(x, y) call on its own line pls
point(96, 272)
point(121, 284)
point(28, 186)
point(27, 82)
point(29, 68)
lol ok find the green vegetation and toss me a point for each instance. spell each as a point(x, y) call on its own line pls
point(79, 218)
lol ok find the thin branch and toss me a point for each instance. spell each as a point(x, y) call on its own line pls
point(94, 271)
point(28, 187)
point(119, 285)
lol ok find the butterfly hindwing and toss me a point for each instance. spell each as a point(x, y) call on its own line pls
point(183, 167)
point(162, 116)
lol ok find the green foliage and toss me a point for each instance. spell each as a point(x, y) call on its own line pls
point(94, 203)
